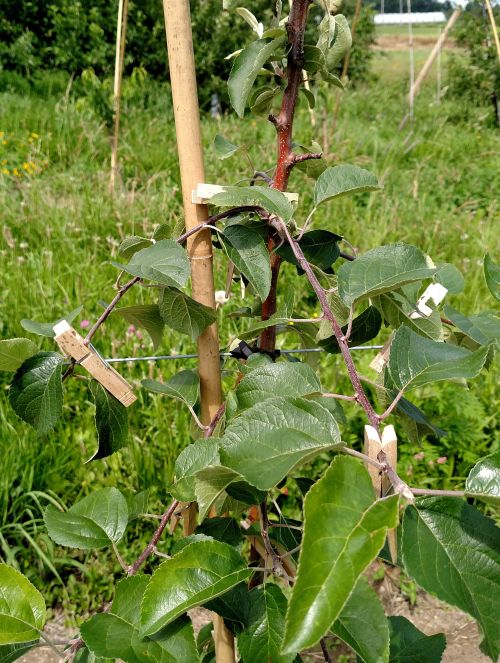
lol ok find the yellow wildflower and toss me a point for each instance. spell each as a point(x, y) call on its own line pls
point(34, 135)
point(4, 162)
point(16, 172)
point(5, 171)
point(26, 165)
point(5, 142)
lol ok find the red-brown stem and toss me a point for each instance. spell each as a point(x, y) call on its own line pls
point(286, 159)
point(132, 570)
point(109, 309)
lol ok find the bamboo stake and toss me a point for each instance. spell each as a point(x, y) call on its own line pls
point(121, 34)
point(493, 26)
point(199, 245)
point(424, 72)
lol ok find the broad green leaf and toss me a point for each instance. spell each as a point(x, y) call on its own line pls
point(396, 310)
point(198, 573)
point(15, 351)
point(273, 321)
point(409, 645)
point(185, 386)
point(131, 245)
point(96, 521)
point(269, 439)
point(137, 504)
point(341, 43)
point(83, 655)
point(453, 552)
point(363, 608)
point(247, 16)
point(47, 328)
point(214, 483)
point(184, 314)
point(36, 392)
point(164, 262)
point(483, 481)
point(246, 67)
point(343, 180)
point(192, 459)
point(10, 653)
point(291, 379)
point(415, 361)
point(146, 316)
point(320, 247)
point(365, 327)
point(492, 276)
point(314, 60)
point(224, 529)
point(111, 422)
point(115, 634)
point(326, 31)
point(233, 606)
point(261, 640)
point(272, 200)
point(344, 529)
point(484, 328)
point(339, 310)
point(310, 98)
point(247, 250)
point(22, 608)
point(262, 103)
point(223, 148)
point(407, 409)
point(382, 269)
point(450, 277)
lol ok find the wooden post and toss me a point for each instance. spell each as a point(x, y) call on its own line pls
point(493, 27)
point(424, 72)
point(199, 245)
point(373, 446)
point(121, 34)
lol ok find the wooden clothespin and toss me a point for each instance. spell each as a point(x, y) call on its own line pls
point(381, 483)
point(73, 345)
point(203, 192)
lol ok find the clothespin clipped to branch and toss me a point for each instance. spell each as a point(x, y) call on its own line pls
point(73, 345)
point(203, 192)
point(381, 483)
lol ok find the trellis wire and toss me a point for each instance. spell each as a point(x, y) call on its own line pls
point(119, 360)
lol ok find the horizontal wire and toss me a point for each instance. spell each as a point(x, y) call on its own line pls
point(119, 360)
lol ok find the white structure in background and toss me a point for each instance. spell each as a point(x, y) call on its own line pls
point(415, 18)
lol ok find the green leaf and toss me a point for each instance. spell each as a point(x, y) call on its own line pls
point(15, 351)
point(291, 379)
point(492, 276)
point(260, 642)
point(365, 327)
point(320, 247)
point(36, 392)
point(453, 552)
point(246, 67)
point(269, 439)
point(137, 504)
point(262, 103)
point(341, 43)
point(223, 148)
point(339, 310)
point(22, 608)
point(382, 269)
point(184, 314)
point(272, 200)
point(450, 277)
point(164, 262)
point(214, 483)
point(96, 521)
point(185, 386)
point(46, 328)
point(415, 361)
point(192, 459)
point(484, 328)
point(362, 608)
point(9, 653)
point(310, 98)
point(247, 250)
point(131, 245)
point(344, 529)
point(198, 573)
point(146, 316)
point(483, 481)
point(314, 60)
point(343, 180)
point(83, 655)
point(226, 530)
point(409, 645)
point(396, 310)
point(115, 634)
point(111, 422)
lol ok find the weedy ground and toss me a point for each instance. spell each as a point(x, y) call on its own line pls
point(60, 226)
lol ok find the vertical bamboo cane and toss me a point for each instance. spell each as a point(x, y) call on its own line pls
point(121, 35)
point(493, 27)
point(199, 246)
